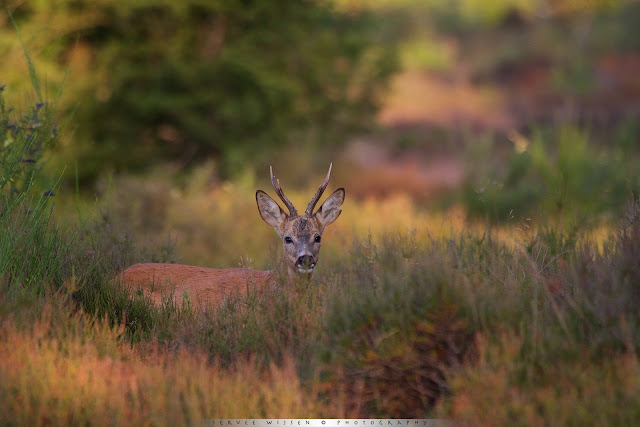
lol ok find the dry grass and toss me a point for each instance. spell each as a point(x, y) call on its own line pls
point(492, 392)
point(409, 310)
point(391, 326)
point(219, 225)
point(80, 372)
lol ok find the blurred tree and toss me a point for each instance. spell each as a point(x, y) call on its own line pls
point(160, 79)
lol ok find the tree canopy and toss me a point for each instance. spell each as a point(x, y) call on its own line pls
point(158, 79)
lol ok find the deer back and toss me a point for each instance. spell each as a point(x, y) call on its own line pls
point(200, 285)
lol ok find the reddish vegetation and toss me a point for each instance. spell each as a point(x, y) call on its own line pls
point(420, 97)
point(414, 173)
point(512, 96)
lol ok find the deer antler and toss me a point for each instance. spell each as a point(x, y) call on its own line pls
point(276, 186)
point(312, 203)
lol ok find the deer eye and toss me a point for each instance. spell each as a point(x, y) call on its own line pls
point(288, 240)
point(317, 239)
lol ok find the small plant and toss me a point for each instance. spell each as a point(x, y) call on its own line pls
point(31, 251)
point(561, 173)
point(23, 143)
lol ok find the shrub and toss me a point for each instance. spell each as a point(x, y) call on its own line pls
point(198, 80)
point(558, 172)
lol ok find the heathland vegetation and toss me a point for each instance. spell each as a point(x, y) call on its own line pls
point(139, 132)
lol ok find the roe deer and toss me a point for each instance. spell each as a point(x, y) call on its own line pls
point(301, 238)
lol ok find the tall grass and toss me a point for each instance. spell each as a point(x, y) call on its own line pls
point(66, 327)
point(407, 324)
point(70, 368)
point(448, 321)
point(31, 250)
point(396, 327)
point(397, 324)
point(36, 255)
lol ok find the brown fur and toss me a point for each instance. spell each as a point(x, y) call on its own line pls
point(207, 286)
point(302, 229)
point(202, 286)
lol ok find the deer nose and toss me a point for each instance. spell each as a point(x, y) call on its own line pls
point(305, 260)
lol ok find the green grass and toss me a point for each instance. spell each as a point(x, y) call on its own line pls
point(30, 248)
point(562, 172)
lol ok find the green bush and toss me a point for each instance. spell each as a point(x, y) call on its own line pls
point(561, 173)
point(190, 80)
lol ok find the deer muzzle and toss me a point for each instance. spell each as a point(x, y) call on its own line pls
point(305, 264)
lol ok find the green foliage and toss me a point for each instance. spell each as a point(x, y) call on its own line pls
point(157, 80)
point(100, 251)
point(36, 256)
point(558, 172)
point(31, 251)
point(24, 141)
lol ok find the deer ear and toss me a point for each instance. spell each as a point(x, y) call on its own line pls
point(330, 209)
point(269, 210)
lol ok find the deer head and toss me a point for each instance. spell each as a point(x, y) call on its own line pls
point(301, 234)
